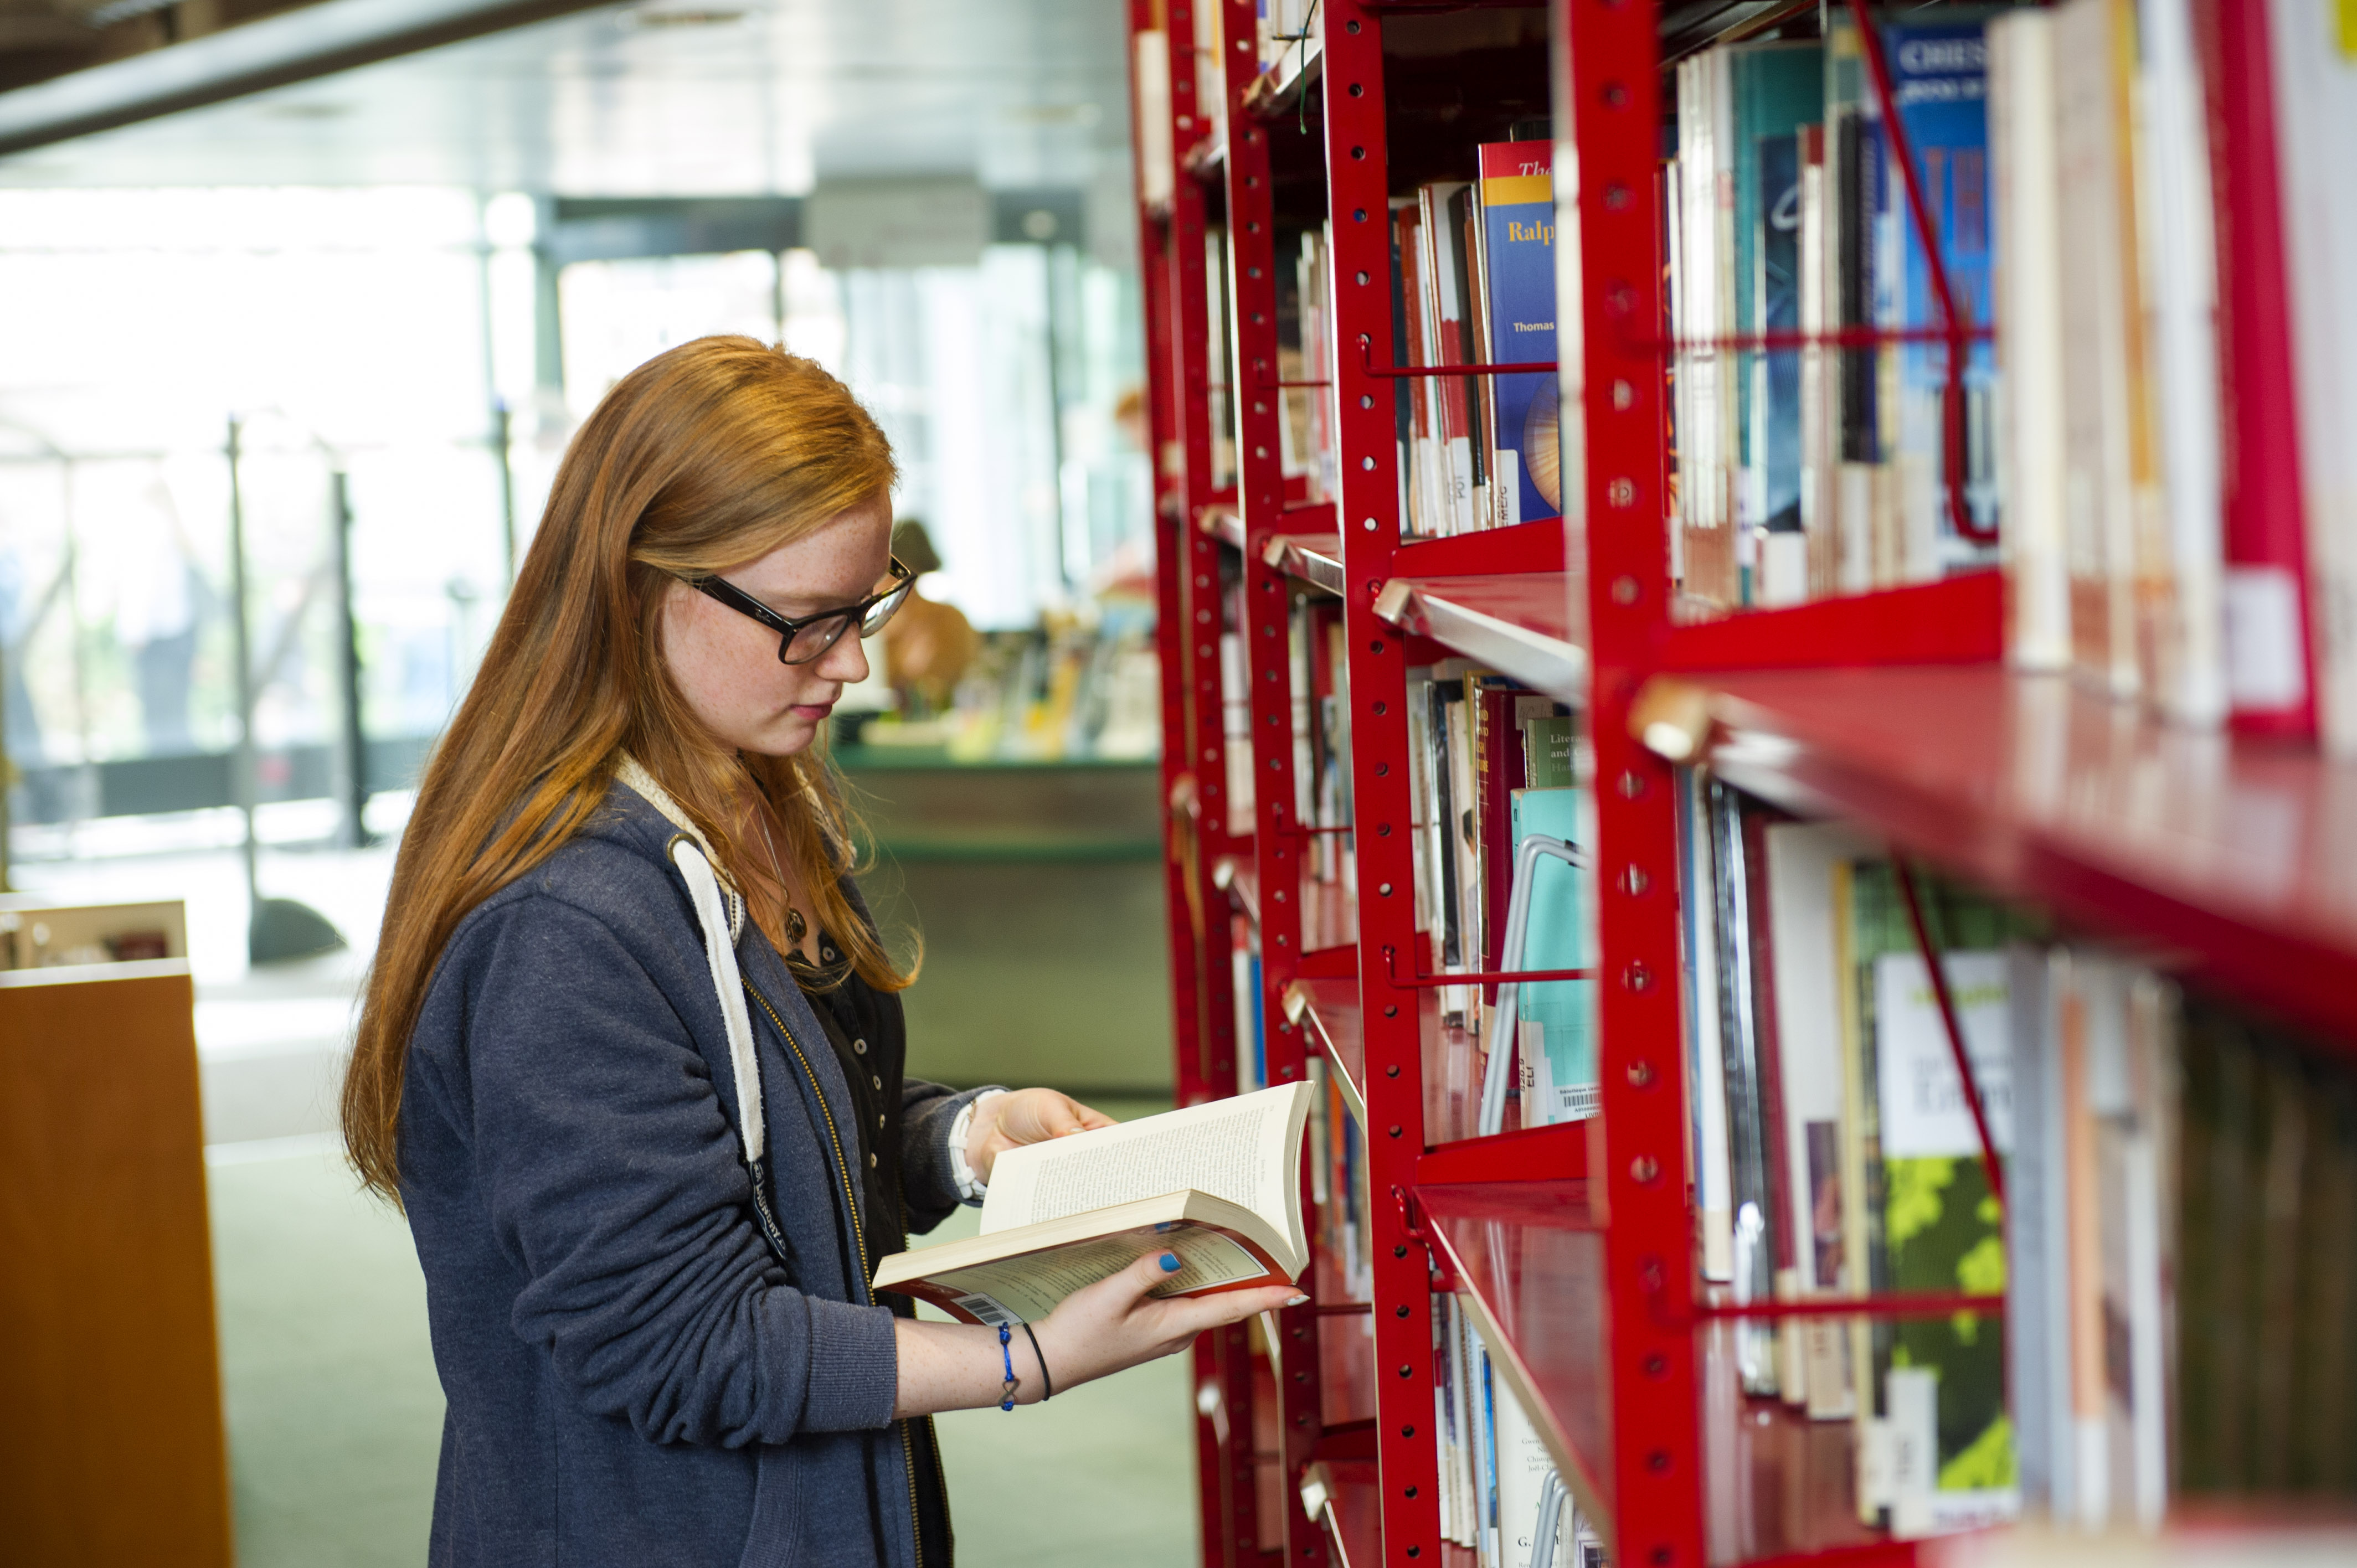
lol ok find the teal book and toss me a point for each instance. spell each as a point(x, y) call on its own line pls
point(1779, 88)
point(1557, 1017)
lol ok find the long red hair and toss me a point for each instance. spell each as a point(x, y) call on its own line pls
point(707, 456)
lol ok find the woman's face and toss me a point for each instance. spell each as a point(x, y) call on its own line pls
point(726, 663)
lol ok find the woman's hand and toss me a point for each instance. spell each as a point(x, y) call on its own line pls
point(1104, 1328)
point(1025, 1116)
point(1114, 1324)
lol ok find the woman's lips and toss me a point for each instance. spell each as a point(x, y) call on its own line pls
point(812, 711)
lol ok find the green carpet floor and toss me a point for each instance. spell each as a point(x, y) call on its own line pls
point(335, 1417)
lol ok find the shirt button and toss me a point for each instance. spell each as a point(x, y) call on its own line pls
point(827, 953)
point(871, 1161)
point(877, 1082)
point(859, 1045)
point(879, 1123)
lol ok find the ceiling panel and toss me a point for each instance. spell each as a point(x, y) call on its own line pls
point(745, 97)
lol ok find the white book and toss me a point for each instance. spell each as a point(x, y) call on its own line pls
point(1705, 1057)
point(2029, 285)
point(1803, 955)
point(1219, 1185)
point(2099, 475)
point(1156, 166)
point(2315, 48)
point(2184, 643)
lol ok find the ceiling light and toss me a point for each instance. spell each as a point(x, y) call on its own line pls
point(1053, 113)
point(680, 18)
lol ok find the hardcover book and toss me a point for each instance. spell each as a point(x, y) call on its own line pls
point(1219, 1185)
point(1518, 254)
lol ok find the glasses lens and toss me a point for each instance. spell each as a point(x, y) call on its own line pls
point(809, 641)
point(884, 609)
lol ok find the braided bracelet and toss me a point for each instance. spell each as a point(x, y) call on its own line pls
point(1047, 1383)
point(1006, 1394)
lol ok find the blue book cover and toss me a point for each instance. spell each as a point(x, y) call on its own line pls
point(1557, 936)
point(1779, 87)
point(1518, 257)
point(1259, 1028)
point(1776, 405)
point(1940, 80)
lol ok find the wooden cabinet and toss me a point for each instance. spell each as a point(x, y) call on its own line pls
point(112, 1451)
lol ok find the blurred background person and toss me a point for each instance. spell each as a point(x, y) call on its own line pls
point(929, 646)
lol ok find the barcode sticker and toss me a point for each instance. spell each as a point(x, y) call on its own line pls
point(989, 1310)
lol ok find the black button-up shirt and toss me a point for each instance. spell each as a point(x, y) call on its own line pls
point(869, 1034)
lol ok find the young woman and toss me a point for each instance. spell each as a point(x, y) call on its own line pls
point(631, 1054)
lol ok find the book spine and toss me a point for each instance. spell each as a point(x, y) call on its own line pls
point(1519, 306)
point(2099, 475)
point(1940, 79)
point(2271, 677)
point(2029, 336)
point(1706, 1060)
point(2315, 59)
point(2183, 641)
point(1819, 374)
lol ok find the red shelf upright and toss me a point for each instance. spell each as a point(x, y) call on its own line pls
point(1266, 627)
point(1358, 198)
point(1194, 752)
point(1607, 87)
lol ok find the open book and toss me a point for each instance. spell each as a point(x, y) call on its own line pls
point(1219, 1185)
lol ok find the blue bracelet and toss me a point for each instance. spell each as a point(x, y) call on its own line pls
point(1006, 1394)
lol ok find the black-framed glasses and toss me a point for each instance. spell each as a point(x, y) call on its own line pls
point(805, 637)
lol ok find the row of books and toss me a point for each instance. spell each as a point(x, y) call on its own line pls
point(2073, 163)
point(1320, 718)
point(1806, 471)
point(1473, 282)
point(1500, 1495)
point(1337, 1173)
point(1500, 776)
point(2172, 1232)
point(1305, 356)
point(2136, 279)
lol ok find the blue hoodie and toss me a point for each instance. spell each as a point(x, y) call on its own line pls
point(632, 1377)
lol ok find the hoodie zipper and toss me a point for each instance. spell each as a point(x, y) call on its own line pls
point(859, 1240)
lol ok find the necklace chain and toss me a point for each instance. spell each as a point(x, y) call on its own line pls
point(796, 927)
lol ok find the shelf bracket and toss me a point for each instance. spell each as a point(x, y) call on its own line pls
point(1410, 1213)
point(1472, 977)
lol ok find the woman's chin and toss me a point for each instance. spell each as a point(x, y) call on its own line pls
point(788, 735)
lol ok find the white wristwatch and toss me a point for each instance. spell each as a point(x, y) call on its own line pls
point(970, 1187)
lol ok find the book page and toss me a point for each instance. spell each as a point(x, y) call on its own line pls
point(1242, 1150)
point(1026, 1289)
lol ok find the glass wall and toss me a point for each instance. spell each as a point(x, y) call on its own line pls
point(416, 343)
point(997, 383)
point(336, 332)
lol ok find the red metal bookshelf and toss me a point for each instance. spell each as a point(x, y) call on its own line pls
point(1572, 1247)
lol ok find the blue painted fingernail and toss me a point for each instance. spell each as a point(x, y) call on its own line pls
point(1169, 1262)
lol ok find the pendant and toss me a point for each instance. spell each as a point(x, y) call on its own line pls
point(796, 927)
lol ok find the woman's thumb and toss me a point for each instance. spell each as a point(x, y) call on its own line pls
point(1154, 1269)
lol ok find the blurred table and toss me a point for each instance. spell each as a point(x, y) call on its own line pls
point(1038, 887)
